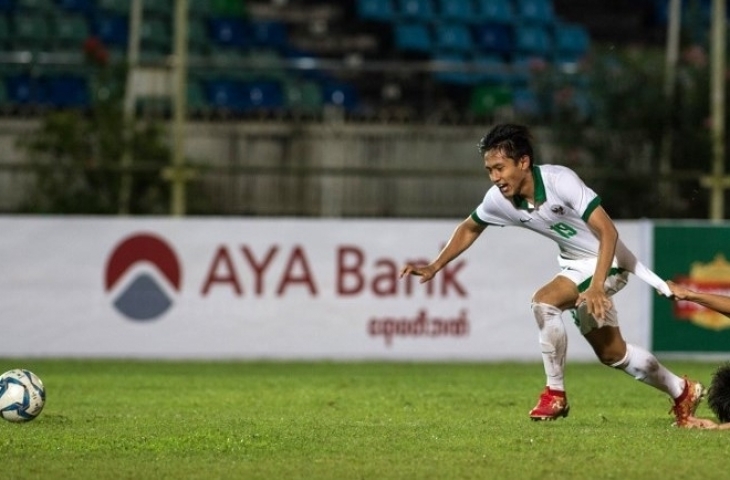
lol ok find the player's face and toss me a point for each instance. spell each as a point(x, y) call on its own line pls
point(508, 174)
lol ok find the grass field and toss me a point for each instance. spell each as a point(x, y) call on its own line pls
point(208, 420)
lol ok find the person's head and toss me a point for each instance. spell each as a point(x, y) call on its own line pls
point(718, 395)
point(507, 154)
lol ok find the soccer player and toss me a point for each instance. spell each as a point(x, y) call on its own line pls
point(718, 396)
point(594, 264)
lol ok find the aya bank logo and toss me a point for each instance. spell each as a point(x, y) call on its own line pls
point(142, 293)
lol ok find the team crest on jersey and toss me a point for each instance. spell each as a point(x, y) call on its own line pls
point(558, 209)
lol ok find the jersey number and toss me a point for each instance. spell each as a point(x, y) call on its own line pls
point(563, 229)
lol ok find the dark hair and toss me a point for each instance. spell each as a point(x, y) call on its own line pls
point(514, 141)
point(718, 395)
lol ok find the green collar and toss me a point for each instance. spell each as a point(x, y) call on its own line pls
point(540, 197)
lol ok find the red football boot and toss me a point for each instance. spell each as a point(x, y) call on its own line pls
point(552, 405)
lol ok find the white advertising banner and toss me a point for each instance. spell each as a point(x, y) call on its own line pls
point(279, 289)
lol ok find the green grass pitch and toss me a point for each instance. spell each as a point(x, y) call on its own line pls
point(320, 420)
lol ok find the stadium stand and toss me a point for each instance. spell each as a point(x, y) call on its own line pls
point(269, 58)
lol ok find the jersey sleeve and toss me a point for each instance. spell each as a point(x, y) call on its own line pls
point(576, 194)
point(488, 212)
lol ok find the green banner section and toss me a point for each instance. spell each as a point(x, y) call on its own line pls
point(695, 255)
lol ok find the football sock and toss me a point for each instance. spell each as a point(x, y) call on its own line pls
point(553, 341)
point(645, 367)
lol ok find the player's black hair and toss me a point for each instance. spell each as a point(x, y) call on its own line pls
point(718, 395)
point(515, 141)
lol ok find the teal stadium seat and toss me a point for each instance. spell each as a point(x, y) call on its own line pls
point(30, 32)
point(70, 31)
point(120, 7)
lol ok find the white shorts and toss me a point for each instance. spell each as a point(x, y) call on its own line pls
point(581, 272)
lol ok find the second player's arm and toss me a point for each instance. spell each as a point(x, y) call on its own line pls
point(719, 303)
point(464, 235)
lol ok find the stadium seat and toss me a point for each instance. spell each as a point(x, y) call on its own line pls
point(38, 6)
point(571, 41)
point(22, 90)
point(120, 7)
point(112, 30)
point(5, 32)
point(198, 41)
point(230, 32)
point(415, 10)
point(85, 7)
point(456, 11)
point(7, 6)
point(533, 40)
point(486, 99)
point(154, 35)
point(196, 100)
point(340, 94)
point(158, 8)
point(412, 37)
point(223, 95)
point(228, 8)
point(495, 11)
point(67, 91)
point(375, 10)
point(303, 98)
point(70, 30)
point(199, 8)
point(453, 37)
point(494, 38)
point(268, 34)
point(30, 31)
point(264, 95)
point(539, 12)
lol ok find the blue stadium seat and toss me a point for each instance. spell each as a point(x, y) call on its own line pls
point(494, 38)
point(7, 6)
point(77, 6)
point(223, 95)
point(22, 89)
point(67, 91)
point(535, 11)
point(262, 96)
point(456, 10)
point(268, 34)
point(112, 30)
point(453, 37)
point(533, 40)
point(571, 41)
point(412, 37)
point(340, 94)
point(417, 10)
point(495, 11)
point(376, 10)
point(229, 32)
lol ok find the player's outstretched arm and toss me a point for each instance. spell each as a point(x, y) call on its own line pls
point(719, 303)
point(462, 238)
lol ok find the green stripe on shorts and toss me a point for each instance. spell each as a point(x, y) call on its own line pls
point(585, 283)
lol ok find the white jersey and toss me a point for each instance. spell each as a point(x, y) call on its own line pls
point(563, 204)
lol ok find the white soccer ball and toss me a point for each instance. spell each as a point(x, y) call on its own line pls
point(22, 395)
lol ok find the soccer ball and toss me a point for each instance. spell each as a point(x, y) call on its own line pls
point(22, 395)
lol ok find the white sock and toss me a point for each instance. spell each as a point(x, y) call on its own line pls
point(553, 341)
point(645, 367)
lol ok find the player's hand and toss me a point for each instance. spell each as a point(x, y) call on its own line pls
point(703, 423)
point(596, 301)
point(678, 292)
point(426, 272)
